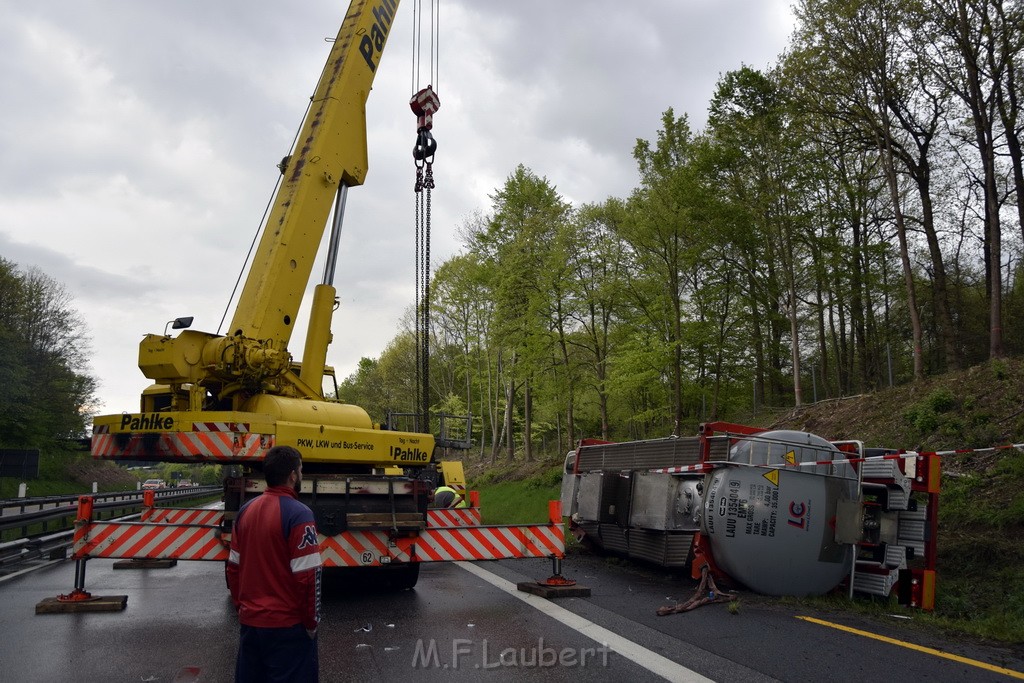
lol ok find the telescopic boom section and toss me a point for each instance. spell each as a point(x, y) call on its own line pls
point(330, 150)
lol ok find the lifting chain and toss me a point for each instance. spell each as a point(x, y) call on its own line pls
point(423, 104)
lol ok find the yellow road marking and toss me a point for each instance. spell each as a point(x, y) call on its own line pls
point(919, 648)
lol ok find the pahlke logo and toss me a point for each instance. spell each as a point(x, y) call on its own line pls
point(409, 454)
point(372, 43)
point(155, 421)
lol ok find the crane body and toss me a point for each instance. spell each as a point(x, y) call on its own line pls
point(247, 382)
point(228, 398)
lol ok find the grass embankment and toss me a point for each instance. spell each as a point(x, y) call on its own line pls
point(70, 473)
point(980, 587)
point(505, 499)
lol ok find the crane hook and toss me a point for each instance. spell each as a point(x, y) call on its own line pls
point(425, 146)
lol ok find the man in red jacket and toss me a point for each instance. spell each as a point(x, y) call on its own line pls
point(273, 572)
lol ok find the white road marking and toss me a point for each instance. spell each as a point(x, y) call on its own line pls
point(649, 660)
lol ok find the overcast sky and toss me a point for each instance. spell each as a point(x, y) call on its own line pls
point(138, 140)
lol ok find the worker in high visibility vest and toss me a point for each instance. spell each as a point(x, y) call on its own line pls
point(447, 497)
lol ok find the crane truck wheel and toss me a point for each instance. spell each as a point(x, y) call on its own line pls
point(391, 579)
point(403, 577)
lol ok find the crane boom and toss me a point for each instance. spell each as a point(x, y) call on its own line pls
point(331, 150)
point(206, 371)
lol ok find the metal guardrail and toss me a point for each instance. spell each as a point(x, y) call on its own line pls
point(60, 511)
point(51, 547)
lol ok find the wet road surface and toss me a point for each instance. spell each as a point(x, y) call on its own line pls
point(469, 624)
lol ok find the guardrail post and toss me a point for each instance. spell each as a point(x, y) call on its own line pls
point(148, 503)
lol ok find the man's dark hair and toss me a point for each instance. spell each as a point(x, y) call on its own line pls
point(279, 463)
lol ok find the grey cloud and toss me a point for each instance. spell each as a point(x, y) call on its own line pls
point(83, 281)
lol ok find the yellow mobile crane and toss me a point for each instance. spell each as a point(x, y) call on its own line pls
point(228, 398)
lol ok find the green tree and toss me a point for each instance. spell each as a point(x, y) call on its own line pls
point(662, 232)
point(514, 246)
point(364, 387)
point(974, 61)
point(759, 159)
point(463, 314)
point(46, 395)
point(598, 262)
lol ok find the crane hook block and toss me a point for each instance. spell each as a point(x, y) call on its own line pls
point(424, 104)
point(425, 146)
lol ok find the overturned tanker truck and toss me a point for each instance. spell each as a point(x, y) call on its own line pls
point(778, 512)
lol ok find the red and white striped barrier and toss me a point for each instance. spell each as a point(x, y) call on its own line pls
point(701, 467)
point(965, 451)
point(139, 540)
point(364, 549)
point(182, 516)
point(195, 541)
point(374, 548)
point(142, 541)
point(778, 465)
point(491, 543)
point(449, 517)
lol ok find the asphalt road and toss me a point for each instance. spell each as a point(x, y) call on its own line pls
point(467, 622)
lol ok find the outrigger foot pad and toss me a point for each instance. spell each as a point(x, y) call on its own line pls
point(82, 601)
point(559, 588)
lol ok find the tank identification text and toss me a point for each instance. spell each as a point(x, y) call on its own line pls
point(754, 515)
point(799, 514)
point(733, 509)
point(765, 498)
point(155, 421)
point(372, 43)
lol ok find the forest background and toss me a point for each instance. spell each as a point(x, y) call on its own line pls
point(849, 220)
